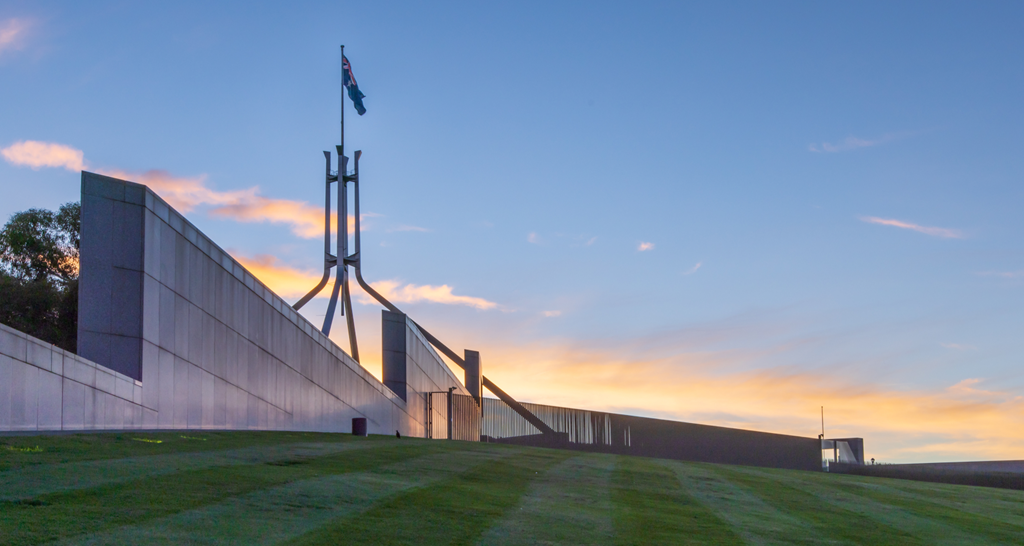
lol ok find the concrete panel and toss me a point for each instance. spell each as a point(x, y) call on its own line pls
point(13, 343)
point(167, 387)
point(104, 380)
point(167, 318)
point(73, 404)
point(38, 354)
point(196, 337)
point(167, 253)
point(181, 395)
point(151, 371)
point(49, 409)
point(181, 327)
point(94, 344)
point(125, 356)
point(90, 406)
point(124, 388)
point(208, 399)
point(150, 310)
point(195, 396)
point(96, 255)
point(80, 371)
point(220, 389)
point(6, 371)
point(181, 259)
point(57, 361)
point(127, 320)
point(127, 239)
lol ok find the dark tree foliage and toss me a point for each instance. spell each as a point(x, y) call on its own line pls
point(39, 274)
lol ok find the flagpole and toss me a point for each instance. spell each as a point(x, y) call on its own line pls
point(342, 149)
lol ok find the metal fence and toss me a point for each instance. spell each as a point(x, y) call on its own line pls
point(631, 435)
point(459, 417)
point(576, 426)
point(452, 416)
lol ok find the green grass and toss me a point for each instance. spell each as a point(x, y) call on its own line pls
point(303, 488)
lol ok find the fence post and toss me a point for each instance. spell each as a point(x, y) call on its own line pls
point(451, 412)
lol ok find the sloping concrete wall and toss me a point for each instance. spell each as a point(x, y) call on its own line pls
point(43, 387)
point(212, 346)
point(410, 363)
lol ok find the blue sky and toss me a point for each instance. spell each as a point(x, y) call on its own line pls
point(730, 213)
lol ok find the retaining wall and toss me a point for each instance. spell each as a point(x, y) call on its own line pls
point(204, 343)
point(43, 387)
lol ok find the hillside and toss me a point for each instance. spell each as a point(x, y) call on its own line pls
point(304, 488)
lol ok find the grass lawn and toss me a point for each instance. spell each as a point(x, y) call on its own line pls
point(303, 488)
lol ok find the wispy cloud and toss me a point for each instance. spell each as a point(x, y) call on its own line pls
point(186, 193)
point(12, 34)
point(590, 241)
point(933, 231)
point(853, 143)
point(693, 269)
point(533, 238)
point(291, 282)
point(1003, 274)
point(286, 281)
point(958, 346)
point(408, 228)
point(961, 420)
point(36, 155)
point(397, 292)
point(551, 313)
point(645, 246)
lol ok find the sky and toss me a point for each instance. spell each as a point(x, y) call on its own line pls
point(731, 213)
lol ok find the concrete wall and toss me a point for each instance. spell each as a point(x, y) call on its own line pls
point(410, 363)
point(43, 387)
point(211, 346)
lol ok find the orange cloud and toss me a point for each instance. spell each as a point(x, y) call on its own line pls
point(289, 282)
point(958, 422)
point(934, 231)
point(285, 281)
point(12, 33)
point(35, 154)
point(395, 292)
point(185, 193)
point(645, 246)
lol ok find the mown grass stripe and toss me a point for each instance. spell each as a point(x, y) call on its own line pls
point(748, 515)
point(971, 523)
point(96, 446)
point(43, 479)
point(65, 515)
point(567, 504)
point(650, 507)
point(830, 510)
point(277, 514)
point(455, 511)
point(842, 490)
point(1005, 505)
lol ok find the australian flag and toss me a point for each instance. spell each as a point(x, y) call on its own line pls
point(353, 88)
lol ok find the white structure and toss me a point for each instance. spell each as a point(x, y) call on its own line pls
point(174, 333)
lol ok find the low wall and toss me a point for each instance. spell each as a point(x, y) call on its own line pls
point(1000, 474)
point(43, 387)
point(602, 432)
point(205, 344)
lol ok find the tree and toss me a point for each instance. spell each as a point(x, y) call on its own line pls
point(39, 274)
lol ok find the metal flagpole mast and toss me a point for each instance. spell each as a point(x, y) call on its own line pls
point(342, 214)
point(341, 149)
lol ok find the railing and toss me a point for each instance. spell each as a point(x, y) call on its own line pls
point(572, 425)
point(452, 416)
